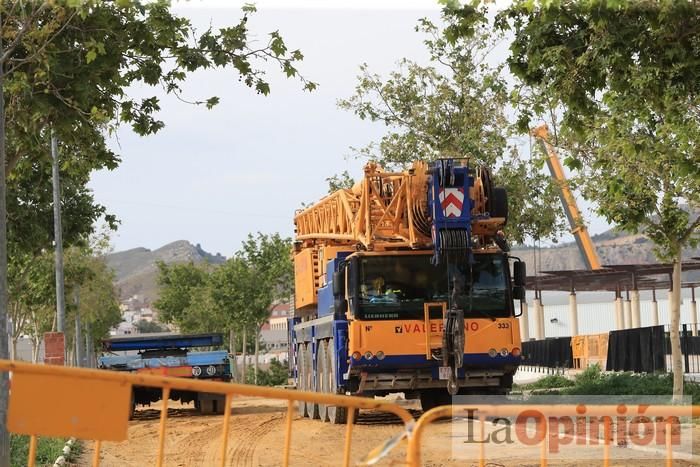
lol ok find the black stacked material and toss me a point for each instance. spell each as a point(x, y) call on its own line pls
point(552, 353)
point(642, 350)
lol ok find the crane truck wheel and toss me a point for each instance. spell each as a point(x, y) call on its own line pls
point(336, 415)
point(311, 407)
point(322, 381)
point(301, 376)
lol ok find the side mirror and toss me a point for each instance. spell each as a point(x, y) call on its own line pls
point(519, 274)
point(518, 293)
point(339, 283)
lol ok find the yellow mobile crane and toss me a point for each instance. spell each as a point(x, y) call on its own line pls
point(403, 284)
point(578, 228)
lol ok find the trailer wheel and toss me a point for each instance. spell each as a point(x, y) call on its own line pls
point(336, 415)
point(301, 377)
point(322, 383)
point(311, 407)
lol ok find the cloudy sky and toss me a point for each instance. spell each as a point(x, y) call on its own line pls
point(211, 177)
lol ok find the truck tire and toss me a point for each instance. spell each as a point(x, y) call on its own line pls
point(336, 415)
point(301, 377)
point(322, 383)
point(311, 407)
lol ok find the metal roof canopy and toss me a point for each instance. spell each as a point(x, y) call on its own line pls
point(613, 277)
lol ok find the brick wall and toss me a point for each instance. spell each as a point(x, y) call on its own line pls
point(54, 345)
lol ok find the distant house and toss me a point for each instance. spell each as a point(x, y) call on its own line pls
point(273, 333)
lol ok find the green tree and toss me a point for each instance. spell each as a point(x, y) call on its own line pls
point(340, 181)
point(147, 327)
point(457, 106)
point(66, 67)
point(178, 285)
point(624, 79)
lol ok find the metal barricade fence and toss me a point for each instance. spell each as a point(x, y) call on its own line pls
point(58, 401)
point(605, 412)
point(87, 404)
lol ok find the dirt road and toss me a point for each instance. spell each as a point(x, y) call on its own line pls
point(257, 438)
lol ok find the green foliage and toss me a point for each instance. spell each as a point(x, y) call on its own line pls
point(456, 107)
point(276, 375)
point(147, 327)
point(48, 450)
point(550, 382)
point(68, 67)
point(625, 80)
point(593, 381)
point(237, 295)
point(178, 283)
point(340, 181)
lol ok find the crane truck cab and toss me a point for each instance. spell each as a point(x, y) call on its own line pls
point(404, 284)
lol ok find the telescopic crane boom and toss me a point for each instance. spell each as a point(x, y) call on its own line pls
point(578, 227)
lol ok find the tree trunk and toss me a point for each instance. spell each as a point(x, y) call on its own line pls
point(13, 349)
point(232, 351)
point(257, 352)
point(675, 312)
point(36, 343)
point(245, 355)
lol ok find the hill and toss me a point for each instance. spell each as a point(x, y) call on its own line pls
point(136, 271)
point(612, 247)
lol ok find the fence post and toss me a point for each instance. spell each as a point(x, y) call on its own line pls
point(684, 348)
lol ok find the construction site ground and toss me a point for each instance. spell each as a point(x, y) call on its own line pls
point(257, 438)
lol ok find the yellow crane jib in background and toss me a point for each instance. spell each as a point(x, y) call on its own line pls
point(578, 228)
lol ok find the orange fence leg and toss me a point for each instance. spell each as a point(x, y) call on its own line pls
point(224, 435)
point(348, 436)
point(288, 432)
point(32, 451)
point(96, 454)
point(161, 429)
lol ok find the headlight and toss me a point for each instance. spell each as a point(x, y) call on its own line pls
point(368, 355)
point(492, 353)
point(379, 355)
point(504, 352)
point(515, 352)
point(356, 355)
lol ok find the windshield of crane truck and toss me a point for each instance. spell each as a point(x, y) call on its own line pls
point(396, 287)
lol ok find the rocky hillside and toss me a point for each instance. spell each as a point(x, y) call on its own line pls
point(612, 248)
point(136, 271)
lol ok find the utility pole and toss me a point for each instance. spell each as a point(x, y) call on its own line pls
point(4, 350)
point(58, 236)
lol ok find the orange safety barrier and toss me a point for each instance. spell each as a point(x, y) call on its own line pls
point(47, 400)
point(605, 412)
point(587, 350)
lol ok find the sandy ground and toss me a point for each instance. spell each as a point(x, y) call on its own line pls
point(256, 438)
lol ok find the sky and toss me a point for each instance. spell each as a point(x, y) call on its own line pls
point(214, 176)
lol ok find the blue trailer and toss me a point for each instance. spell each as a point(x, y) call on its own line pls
point(170, 355)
